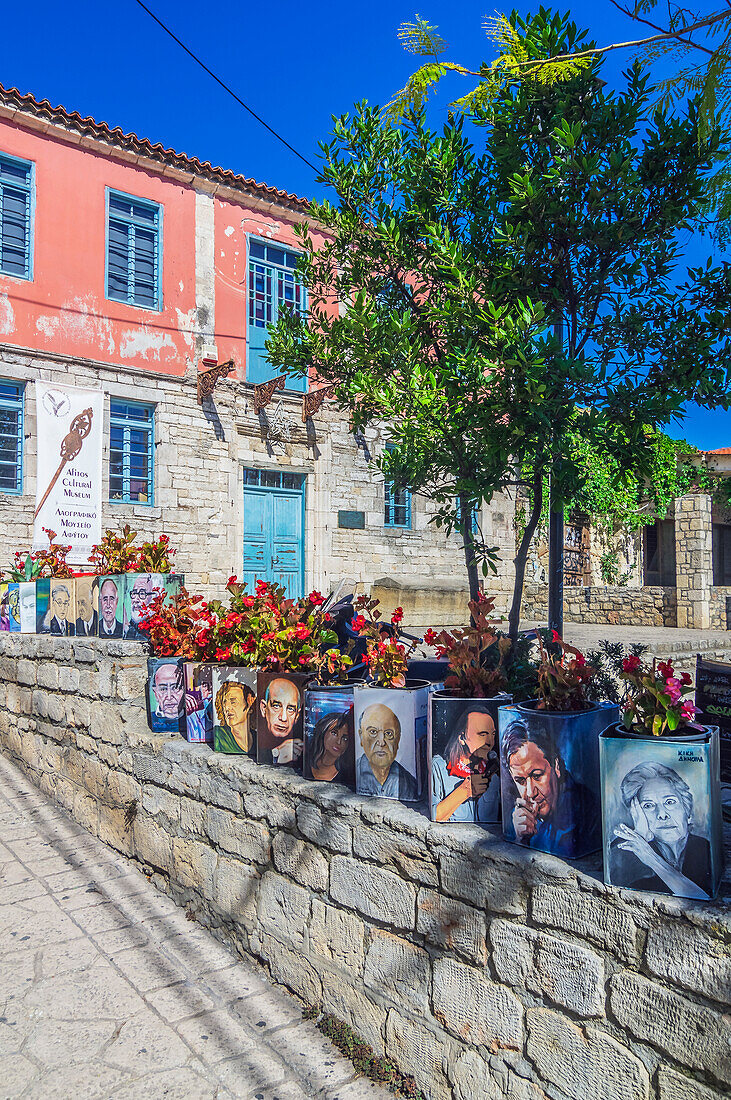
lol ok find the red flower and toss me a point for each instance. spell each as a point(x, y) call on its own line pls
point(304, 660)
point(231, 579)
point(248, 645)
point(302, 632)
point(631, 663)
point(580, 660)
point(262, 588)
point(555, 636)
point(358, 623)
point(430, 637)
point(397, 616)
point(223, 654)
point(248, 601)
point(665, 668)
point(687, 679)
point(326, 617)
point(316, 598)
point(268, 637)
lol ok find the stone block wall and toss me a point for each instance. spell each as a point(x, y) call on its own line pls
point(720, 617)
point(693, 560)
point(650, 605)
point(482, 968)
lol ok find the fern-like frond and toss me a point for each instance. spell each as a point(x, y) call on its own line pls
point(421, 38)
point(415, 91)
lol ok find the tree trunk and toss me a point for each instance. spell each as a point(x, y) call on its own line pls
point(468, 542)
point(521, 558)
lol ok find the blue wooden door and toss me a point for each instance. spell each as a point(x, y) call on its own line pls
point(273, 530)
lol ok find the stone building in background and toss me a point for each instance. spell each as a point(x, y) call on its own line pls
point(134, 269)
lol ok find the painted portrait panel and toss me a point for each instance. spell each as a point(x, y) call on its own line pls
point(661, 805)
point(14, 604)
point(280, 718)
point(329, 735)
point(111, 605)
point(549, 778)
point(62, 622)
point(27, 601)
point(87, 606)
point(464, 769)
point(199, 703)
point(390, 738)
point(234, 710)
point(43, 605)
point(166, 694)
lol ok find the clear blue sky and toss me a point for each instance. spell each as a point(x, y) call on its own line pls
point(295, 64)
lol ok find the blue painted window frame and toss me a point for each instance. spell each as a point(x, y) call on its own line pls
point(11, 400)
point(131, 223)
point(268, 301)
point(27, 188)
point(128, 417)
point(396, 504)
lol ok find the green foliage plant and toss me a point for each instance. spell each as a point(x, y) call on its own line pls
point(443, 268)
point(472, 672)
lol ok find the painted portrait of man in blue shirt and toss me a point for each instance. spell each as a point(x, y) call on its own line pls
point(378, 770)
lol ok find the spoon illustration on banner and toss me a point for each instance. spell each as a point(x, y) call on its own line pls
point(71, 445)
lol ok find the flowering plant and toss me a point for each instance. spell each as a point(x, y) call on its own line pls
point(120, 554)
point(264, 629)
point(115, 553)
point(50, 562)
point(563, 676)
point(174, 625)
point(155, 557)
point(655, 702)
point(386, 657)
point(472, 674)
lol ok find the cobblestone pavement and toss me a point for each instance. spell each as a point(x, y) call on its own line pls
point(107, 990)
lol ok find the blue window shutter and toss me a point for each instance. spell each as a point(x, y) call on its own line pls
point(11, 437)
point(131, 453)
point(134, 251)
point(16, 187)
point(273, 285)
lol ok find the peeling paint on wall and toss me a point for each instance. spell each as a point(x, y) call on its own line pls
point(187, 326)
point(143, 344)
point(228, 230)
point(7, 316)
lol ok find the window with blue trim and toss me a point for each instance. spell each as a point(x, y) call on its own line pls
point(273, 287)
point(134, 251)
point(397, 505)
point(11, 437)
point(131, 449)
point(16, 194)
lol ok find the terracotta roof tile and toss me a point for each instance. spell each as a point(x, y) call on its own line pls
point(720, 451)
point(87, 126)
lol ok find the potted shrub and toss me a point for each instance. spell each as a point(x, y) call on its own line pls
point(661, 794)
point(293, 644)
point(549, 757)
point(464, 771)
point(389, 712)
point(130, 579)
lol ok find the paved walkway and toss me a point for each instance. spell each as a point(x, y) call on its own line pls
point(107, 990)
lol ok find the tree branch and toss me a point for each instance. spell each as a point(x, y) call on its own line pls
point(656, 26)
point(597, 50)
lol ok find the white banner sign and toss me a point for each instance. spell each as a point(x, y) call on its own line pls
point(69, 478)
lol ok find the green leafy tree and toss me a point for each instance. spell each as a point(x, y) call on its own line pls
point(694, 43)
point(449, 265)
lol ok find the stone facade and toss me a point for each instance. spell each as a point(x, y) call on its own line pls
point(693, 560)
point(482, 968)
point(648, 606)
point(199, 462)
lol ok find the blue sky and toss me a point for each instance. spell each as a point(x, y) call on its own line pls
point(294, 64)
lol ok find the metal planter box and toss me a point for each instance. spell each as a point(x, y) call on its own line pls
point(661, 808)
point(280, 718)
point(166, 694)
point(390, 740)
point(549, 777)
point(234, 709)
point(329, 734)
point(464, 769)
